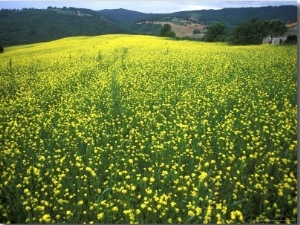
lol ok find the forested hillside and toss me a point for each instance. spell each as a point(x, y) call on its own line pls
point(233, 16)
point(38, 25)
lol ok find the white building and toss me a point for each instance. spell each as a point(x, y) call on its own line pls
point(278, 40)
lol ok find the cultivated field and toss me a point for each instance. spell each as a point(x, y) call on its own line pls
point(139, 129)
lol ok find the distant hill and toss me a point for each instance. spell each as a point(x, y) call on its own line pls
point(123, 16)
point(128, 19)
point(230, 16)
point(195, 23)
point(38, 25)
point(233, 16)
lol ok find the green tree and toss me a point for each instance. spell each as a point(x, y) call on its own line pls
point(215, 33)
point(248, 32)
point(275, 28)
point(196, 31)
point(166, 31)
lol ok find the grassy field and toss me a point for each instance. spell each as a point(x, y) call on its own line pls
point(139, 129)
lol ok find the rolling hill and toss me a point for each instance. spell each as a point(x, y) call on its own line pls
point(37, 25)
point(185, 22)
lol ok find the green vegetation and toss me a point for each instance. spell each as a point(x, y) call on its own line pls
point(233, 16)
point(166, 31)
point(1, 47)
point(196, 31)
point(123, 16)
point(36, 25)
point(246, 33)
point(291, 39)
point(215, 33)
point(274, 28)
point(140, 129)
point(254, 30)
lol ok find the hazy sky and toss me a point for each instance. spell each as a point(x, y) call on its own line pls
point(147, 6)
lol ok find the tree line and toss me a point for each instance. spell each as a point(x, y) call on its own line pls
point(246, 33)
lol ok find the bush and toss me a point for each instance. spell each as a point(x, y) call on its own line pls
point(291, 39)
point(196, 31)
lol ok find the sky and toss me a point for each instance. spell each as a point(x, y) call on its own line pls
point(145, 6)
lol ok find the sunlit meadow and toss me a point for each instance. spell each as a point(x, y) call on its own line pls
point(139, 129)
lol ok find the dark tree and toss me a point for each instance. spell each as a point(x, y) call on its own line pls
point(196, 31)
point(215, 33)
point(275, 28)
point(291, 40)
point(166, 31)
point(1, 47)
point(248, 32)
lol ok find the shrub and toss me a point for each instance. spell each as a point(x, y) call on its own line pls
point(291, 39)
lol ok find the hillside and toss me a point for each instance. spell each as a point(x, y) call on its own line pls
point(38, 25)
point(123, 16)
point(184, 23)
point(233, 16)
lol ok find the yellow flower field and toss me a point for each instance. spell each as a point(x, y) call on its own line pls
point(140, 129)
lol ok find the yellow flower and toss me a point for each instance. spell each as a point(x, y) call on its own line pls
point(69, 213)
point(198, 211)
point(80, 202)
point(202, 176)
point(148, 191)
point(133, 188)
point(232, 216)
point(191, 213)
point(46, 218)
point(100, 216)
point(219, 219)
point(26, 191)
